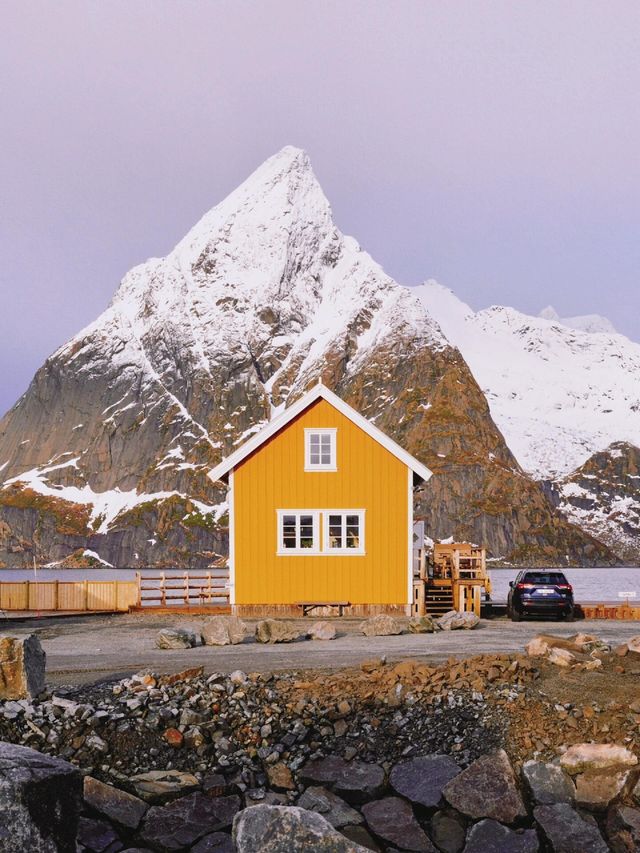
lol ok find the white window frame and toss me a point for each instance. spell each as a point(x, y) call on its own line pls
point(297, 551)
point(331, 432)
point(344, 551)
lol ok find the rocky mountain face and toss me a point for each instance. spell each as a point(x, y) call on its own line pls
point(562, 391)
point(107, 452)
point(557, 393)
point(603, 497)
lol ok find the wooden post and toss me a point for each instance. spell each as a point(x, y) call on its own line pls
point(139, 582)
point(163, 592)
point(209, 594)
point(56, 595)
point(85, 592)
point(186, 588)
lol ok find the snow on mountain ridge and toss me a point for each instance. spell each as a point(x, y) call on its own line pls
point(558, 394)
point(264, 277)
point(592, 323)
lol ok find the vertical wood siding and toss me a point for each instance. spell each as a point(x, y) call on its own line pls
point(368, 477)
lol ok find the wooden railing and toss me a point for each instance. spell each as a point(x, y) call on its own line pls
point(50, 596)
point(184, 589)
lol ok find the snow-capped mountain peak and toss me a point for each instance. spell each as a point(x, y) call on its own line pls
point(559, 392)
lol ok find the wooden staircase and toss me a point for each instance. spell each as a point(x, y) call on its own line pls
point(439, 600)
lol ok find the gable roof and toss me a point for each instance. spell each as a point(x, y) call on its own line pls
point(316, 393)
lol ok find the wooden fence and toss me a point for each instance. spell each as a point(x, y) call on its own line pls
point(184, 589)
point(87, 595)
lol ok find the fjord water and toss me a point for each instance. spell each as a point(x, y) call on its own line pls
point(590, 585)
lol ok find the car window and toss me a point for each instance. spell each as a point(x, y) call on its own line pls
point(545, 577)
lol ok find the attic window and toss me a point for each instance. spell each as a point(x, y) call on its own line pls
point(320, 450)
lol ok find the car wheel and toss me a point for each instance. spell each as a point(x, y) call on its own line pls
point(515, 616)
point(570, 616)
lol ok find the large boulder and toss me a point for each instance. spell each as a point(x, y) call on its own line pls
point(216, 842)
point(175, 638)
point(602, 772)
point(333, 808)
point(489, 836)
point(623, 829)
point(448, 831)
point(548, 783)
point(223, 631)
point(97, 835)
point(596, 756)
point(40, 800)
point(323, 771)
point(123, 809)
point(276, 631)
point(422, 780)
point(381, 625)
point(283, 829)
point(360, 781)
point(22, 666)
point(597, 789)
point(487, 788)
point(565, 831)
point(182, 822)
point(454, 620)
point(392, 820)
point(322, 631)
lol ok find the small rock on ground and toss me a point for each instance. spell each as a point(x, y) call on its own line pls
point(381, 625)
point(454, 620)
point(276, 631)
point(322, 631)
point(175, 638)
point(223, 631)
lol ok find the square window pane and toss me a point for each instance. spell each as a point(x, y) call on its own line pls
point(314, 439)
point(314, 457)
point(326, 457)
point(289, 539)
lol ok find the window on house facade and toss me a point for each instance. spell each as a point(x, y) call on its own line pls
point(320, 450)
point(344, 531)
point(330, 532)
point(298, 532)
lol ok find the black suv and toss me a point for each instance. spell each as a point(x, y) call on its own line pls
point(543, 592)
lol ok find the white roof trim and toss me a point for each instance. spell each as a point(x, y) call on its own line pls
point(317, 392)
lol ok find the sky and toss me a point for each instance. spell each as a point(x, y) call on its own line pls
point(494, 146)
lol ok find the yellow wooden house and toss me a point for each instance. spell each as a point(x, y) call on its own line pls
point(320, 513)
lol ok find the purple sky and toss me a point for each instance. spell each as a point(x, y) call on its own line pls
point(492, 145)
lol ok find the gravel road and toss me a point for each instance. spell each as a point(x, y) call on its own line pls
point(82, 649)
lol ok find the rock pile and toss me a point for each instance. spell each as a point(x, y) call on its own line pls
point(583, 651)
point(389, 756)
point(427, 803)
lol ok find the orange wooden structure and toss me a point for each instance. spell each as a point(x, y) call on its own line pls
point(321, 510)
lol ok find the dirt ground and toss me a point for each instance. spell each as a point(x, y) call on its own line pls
point(84, 649)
